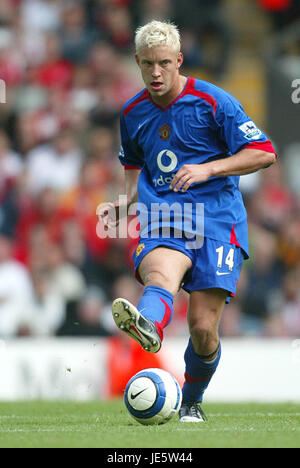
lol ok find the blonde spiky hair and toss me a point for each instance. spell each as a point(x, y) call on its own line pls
point(157, 33)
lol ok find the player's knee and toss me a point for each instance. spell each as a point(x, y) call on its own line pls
point(159, 278)
point(204, 337)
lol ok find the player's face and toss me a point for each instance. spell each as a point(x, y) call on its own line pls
point(160, 71)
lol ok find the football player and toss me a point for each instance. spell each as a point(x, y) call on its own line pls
point(185, 142)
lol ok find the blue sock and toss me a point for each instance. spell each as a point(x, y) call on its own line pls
point(198, 374)
point(156, 305)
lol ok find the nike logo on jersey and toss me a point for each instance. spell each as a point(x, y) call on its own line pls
point(219, 273)
point(133, 396)
point(142, 124)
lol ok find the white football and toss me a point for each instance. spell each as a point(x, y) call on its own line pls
point(153, 396)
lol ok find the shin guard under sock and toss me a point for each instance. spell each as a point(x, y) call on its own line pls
point(198, 374)
point(156, 305)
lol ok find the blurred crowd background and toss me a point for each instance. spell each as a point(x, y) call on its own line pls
point(68, 67)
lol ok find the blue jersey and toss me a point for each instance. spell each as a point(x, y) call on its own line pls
point(203, 124)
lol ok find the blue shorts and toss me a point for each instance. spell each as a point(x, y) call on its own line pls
point(216, 264)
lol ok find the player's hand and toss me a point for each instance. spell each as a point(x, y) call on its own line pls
point(108, 215)
point(188, 175)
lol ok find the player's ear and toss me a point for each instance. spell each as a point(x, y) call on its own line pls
point(137, 59)
point(179, 59)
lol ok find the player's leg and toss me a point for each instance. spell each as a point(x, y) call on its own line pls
point(161, 271)
point(212, 280)
point(203, 352)
point(164, 267)
point(204, 314)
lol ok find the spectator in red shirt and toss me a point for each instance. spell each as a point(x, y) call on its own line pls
point(281, 12)
point(55, 71)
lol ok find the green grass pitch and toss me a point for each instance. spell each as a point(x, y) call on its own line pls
point(41, 424)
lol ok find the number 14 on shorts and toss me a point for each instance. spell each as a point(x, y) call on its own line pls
point(229, 259)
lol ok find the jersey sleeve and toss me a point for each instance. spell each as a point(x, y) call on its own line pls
point(130, 156)
point(236, 129)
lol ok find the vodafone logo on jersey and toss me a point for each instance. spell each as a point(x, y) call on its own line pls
point(172, 161)
point(167, 162)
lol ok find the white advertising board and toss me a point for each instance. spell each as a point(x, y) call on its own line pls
point(77, 369)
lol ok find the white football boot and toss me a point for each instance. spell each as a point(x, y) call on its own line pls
point(134, 324)
point(191, 412)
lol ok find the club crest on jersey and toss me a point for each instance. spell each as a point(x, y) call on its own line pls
point(251, 132)
point(139, 249)
point(165, 132)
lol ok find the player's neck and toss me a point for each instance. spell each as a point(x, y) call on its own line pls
point(175, 91)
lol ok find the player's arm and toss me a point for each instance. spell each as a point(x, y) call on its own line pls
point(244, 162)
point(131, 181)
point(110, 213)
